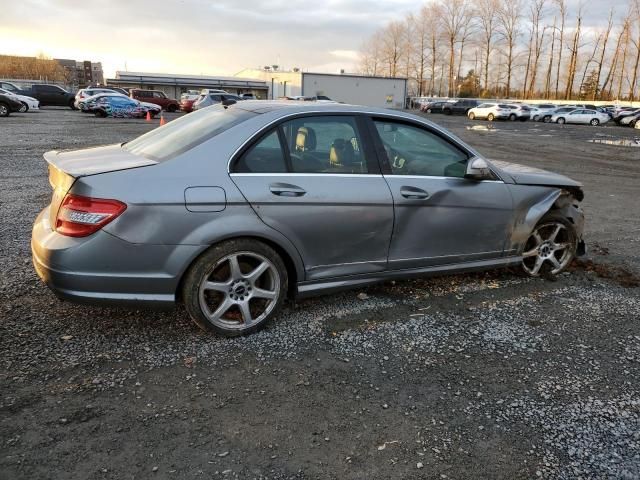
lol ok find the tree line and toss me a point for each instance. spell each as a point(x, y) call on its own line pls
point(33, 68)
point(510, 48)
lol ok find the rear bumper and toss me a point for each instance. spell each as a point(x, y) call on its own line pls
point(104, 269)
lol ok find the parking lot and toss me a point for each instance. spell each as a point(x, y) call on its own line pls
point(489, 375)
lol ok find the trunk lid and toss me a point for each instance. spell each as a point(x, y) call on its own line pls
point(66, 167)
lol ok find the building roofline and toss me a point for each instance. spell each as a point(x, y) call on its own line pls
point(353, 75)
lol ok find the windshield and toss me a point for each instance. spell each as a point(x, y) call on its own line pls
point(183, 134)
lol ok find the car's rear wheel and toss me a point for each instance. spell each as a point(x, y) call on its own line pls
point(72, 105)
point(546, 118)
point(4, 110)
point(472, 116)
point(235, 287)
point(512, 117)
point(171, 108)
point(560, 120)
point(24, 108)
point(550, 247)
point(100, 113)
point(490, 117)
point(632, 123)
point(595, 122)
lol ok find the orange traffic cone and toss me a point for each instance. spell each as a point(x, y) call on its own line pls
point(148, 116)
point(162, 122)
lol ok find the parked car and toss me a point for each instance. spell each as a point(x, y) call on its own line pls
point(581, 115)
point(157, 97)
point(560, 110)
point(625, 113)
point(90, 92)
point(460, 107)
point(187, 100)
point(433, 107)
point(28, 103)
point(123, 91)
point(630, 120)
point(232, 208)
point(247, 96)
point(9, 104)
point(538, 111)
point(11, 87)
point(519, 112)
point(50, 95)
point(490, 111)
point(212, 98)
point(118, 106)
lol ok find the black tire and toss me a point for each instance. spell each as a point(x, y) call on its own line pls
point(5, 111)
point(203, 268)
point(472, 116)
point(100, 113)
point(546, 119)
point(594, 122)
point(570, 237)
point(25, 107)
point(491, 117)
point(447, 111)
point(171, 108)
point(632, 123)
point(512, 117)
point(72, 105)
point(561, 121)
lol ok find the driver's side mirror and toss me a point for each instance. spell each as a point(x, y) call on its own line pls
point(477, 169)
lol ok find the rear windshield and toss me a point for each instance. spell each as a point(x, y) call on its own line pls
point(183, 134)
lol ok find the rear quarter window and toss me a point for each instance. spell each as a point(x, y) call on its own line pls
point(187, 132)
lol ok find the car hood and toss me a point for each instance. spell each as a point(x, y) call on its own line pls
point(90, 161)
point(525, 175)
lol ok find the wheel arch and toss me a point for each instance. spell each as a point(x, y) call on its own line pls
point(291, 260)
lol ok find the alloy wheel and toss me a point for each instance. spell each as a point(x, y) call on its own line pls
point(550, 243)
point(4, 111)
point(240, 290)
point(23, 108)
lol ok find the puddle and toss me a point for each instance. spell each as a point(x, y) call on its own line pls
point(620, 142)
point(483, 128)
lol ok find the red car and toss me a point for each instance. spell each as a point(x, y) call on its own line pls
point(157, 97)
point(186, 101)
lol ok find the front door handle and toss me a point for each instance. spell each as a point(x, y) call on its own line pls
point(286, 190)
point(413, 193)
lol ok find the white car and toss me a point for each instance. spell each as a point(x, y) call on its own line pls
point(28, 103)
point(581, 115)
point(630, 120)
point(538, 112)
point(90, 92)
point(519, 112)
point(490, 111)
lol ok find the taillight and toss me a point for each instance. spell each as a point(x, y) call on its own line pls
point(81, 216)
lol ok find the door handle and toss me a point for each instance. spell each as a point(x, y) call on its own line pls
point(286, 190)
point(414, 193)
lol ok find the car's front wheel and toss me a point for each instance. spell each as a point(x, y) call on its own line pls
point(550, 247)
point(4, 110)
point(24, 108)
point(595, 122)
point(490, 117)
point(235, 287)
point(560, 120)
point(472, 116)
point(512, 117)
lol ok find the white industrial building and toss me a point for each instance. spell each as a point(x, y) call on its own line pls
point(345, 88)
point(356, 89)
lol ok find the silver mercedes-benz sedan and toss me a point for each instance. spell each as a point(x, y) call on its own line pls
point(233, 208)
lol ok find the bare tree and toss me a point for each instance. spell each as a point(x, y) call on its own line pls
point(547, 82)
point(392, 46)
point(590, 60)
point(456, 17)
point(574, 49)
point(487, 11)
point(636, 43)
point(562, 8)
point(602, 54)
point(625, 50)
point(536, 17)
point(509, 17)
point(607, 86)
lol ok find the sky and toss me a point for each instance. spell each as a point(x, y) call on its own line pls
point(209, 37)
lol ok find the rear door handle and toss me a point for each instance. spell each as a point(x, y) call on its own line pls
point(286, 190)
point(413, 193)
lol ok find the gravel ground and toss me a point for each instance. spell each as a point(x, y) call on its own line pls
point(487, 375)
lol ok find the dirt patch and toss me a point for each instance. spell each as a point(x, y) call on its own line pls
point(621, 275)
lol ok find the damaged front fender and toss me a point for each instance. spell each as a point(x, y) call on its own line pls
point(531, 203)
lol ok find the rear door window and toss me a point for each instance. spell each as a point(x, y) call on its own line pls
point(265, 156)
point(325, 144)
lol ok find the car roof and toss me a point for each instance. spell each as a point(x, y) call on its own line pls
point(294, 106)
